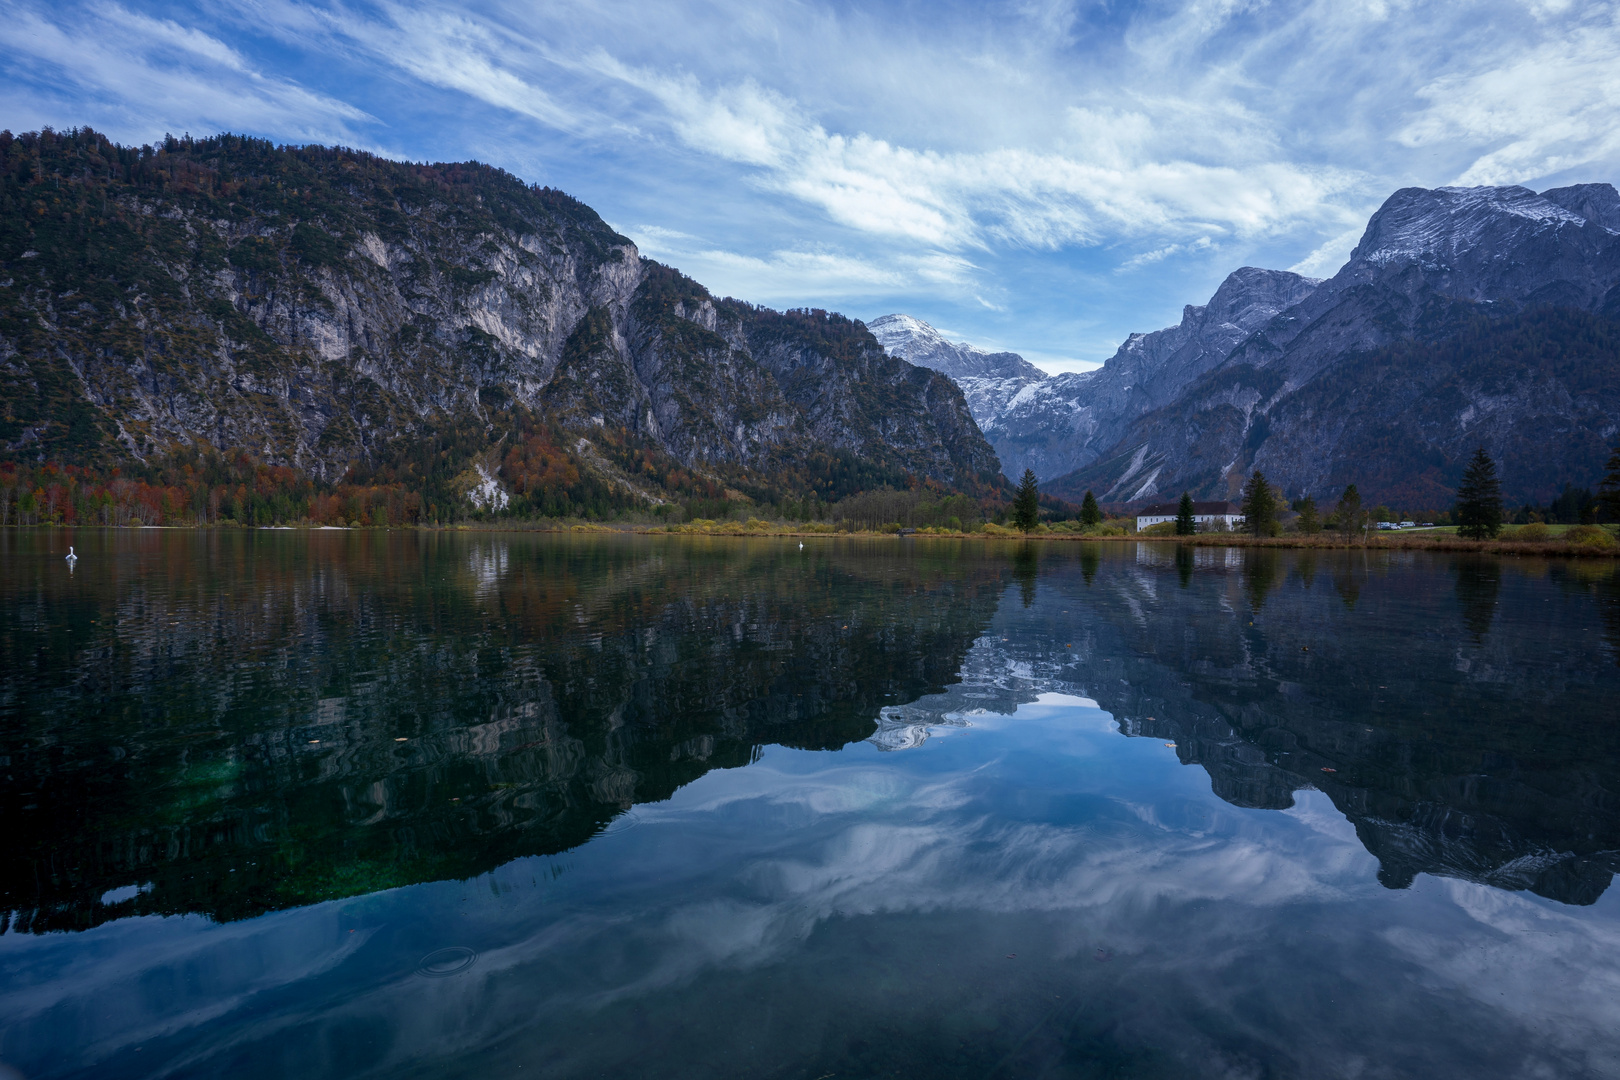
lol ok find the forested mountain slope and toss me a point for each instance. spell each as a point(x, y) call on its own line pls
point(444, 327)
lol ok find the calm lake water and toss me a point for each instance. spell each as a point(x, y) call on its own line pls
point(356, 804)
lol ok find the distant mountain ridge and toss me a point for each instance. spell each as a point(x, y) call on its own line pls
point(918, 343)
point(333, 311)
point(1464, 317)
point(1071, 420)
point(989, 381)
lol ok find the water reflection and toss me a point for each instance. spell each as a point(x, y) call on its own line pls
point(1026, 568)
point(1478, 581)
point(1452, 749)
point(234, 723)
point(994, 882)
point(1262, 570)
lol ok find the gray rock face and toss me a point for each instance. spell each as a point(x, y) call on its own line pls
point(918, 343)
point(1068, 421)
point(1597, 203)
point(988, 380)
point(333, 307)
point(1465, 316)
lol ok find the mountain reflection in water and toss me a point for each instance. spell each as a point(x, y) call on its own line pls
point(235, 723)
point(465, 804)
point(230, 724)
point(1456, 710)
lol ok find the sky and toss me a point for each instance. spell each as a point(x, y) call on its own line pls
point(1041, 177)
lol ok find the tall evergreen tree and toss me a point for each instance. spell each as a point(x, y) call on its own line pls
point(1027, 503)
point(1609, 490)
point(1090, 512)
point(1186, 517)
point(1309, 521)
point(1259, 506)
point(1349, 513)
point(1479, 498)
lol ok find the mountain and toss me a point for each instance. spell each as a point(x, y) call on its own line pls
point(1068, 421)
point(1464, 317)
point(989, 381)
point(916, 342)
point(345, 315)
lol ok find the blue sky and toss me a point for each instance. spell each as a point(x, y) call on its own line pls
point(1044, 177)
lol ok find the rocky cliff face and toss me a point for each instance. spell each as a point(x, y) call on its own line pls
point(916, 342)
point(989, 381)
point(1465, 317)
point(323, 308)
point(1068, 421)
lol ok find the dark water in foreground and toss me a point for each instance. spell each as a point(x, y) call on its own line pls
point(354, 804)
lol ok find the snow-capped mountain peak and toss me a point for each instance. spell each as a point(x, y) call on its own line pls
point(915, 342)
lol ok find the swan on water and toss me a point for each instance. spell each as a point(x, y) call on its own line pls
point(70, 556)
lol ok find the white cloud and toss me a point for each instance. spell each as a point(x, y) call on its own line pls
point(955, 153)
point(155, 75)
point(1326, 259)
point(1112, 185)
point(1539, 110)
point(793, 276)
point(1148, 258)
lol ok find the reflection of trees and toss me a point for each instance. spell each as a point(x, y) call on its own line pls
point(1478, 582)
point(1260, 574)
point(1347, 582)
point(1305, 564)
point(1025, 569)
point(1184, 564)
point(235, 705)
point(1089, 561)
point(1608, 592)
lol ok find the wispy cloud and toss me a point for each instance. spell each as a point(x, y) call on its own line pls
point(1148, 258)
point(1023, 166)
point(1540, 110)
point(789, 276)
point(159, 73)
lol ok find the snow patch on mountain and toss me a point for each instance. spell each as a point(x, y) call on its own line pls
point(915, 342)
point(1441, 223)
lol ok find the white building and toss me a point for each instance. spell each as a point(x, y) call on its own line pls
point(1209, 516)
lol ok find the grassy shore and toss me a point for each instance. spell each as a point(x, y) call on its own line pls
point(1554, 541)
point(1565, 541)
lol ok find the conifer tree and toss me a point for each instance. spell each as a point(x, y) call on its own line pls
point(1186, 519)
point(1026, 504)
point(1349, 513)
point(1090, 512)
point(1259, 506)
point(1479, 499)
point(1609, 490)
point(1309, 522)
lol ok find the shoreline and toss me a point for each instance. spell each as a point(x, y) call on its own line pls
point(1551, 547)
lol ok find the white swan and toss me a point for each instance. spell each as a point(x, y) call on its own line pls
point(72, 558)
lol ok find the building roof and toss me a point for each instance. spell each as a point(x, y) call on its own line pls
point(1199, 508)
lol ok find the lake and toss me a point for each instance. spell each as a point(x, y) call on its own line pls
point(354, 804)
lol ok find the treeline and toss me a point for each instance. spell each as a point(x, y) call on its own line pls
point(442, 478)
point(216, 490)
point(1478, 513)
